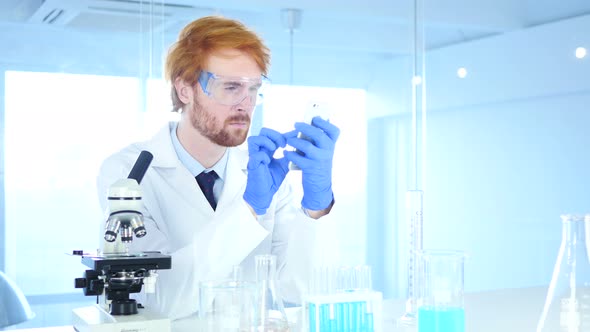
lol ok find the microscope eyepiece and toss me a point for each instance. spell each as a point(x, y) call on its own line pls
point(141, 166)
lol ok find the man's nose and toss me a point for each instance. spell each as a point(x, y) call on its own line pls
point(247, 103)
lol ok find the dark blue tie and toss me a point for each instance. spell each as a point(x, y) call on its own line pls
point(206, 182)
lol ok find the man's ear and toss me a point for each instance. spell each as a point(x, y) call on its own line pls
point(184, 91)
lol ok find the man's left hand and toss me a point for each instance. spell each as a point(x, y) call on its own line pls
point(316, 163)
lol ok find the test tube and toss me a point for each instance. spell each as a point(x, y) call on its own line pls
point(363, 278)
point(237, 273)
point(341, 299)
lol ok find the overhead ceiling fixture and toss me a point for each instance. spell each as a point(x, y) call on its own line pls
point(580, 52)
point(99, 13)
point(417, 80)
point(291, 19)
point(462, 72)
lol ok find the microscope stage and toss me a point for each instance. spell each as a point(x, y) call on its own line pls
point(149, 260)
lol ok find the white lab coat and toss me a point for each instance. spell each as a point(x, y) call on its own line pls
point(206, 244)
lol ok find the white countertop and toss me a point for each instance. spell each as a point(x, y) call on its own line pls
point(506, 310)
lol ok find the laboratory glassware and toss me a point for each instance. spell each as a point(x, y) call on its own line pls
point(227, 306)
point(271, 310)
point(567, 305)
point(414, 210)
point(342, 299)
point(440, 298)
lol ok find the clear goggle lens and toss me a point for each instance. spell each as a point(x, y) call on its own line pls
point(232, 91)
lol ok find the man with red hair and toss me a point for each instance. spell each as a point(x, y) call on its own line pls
point(210, 205)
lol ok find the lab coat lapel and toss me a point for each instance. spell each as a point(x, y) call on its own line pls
point(169, 167)
point(185, 186)
point(161, 147)
point(235, 183)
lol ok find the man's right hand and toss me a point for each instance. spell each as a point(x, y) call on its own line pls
point(265, 173)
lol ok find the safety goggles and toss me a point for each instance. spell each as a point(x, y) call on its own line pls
point(231, 91)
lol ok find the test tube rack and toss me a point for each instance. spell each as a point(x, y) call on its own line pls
point(348, 311)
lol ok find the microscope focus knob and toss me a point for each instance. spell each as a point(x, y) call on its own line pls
point(90, 283)
point(80, 283)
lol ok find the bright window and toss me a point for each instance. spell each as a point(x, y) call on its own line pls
point(60, 127)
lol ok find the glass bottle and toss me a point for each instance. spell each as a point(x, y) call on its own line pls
point(272, 316)
point(567, 306)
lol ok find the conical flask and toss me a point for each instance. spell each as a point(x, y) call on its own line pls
point(567, 306)
point(272, 317)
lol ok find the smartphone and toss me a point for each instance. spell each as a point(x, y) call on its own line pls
point(313, 109)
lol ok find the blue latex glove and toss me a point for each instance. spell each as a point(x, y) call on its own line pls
point(265, 173)
point(316, 163)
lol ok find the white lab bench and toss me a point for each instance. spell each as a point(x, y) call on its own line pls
point(506, 310)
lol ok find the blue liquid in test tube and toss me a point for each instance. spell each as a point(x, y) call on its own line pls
point(324, 317)
point(340, 316)
point(312, 317)
point(332, 317)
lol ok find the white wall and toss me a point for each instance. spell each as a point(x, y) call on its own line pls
point(52, 48)
point(498, 178)
point(505, 151)
point(122, 53)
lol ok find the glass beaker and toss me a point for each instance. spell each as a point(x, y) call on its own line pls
point(272, 316)
point(440, 300)
point(227, 306)
point(567, 305)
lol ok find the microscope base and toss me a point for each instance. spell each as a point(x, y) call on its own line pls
point(96, 319)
